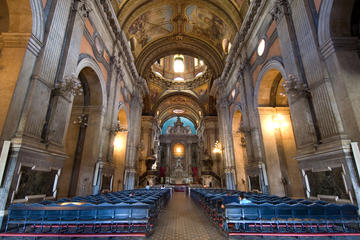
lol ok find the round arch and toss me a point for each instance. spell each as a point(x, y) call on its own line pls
point(90, 63)
point(334, 23)
point(188, 46)
point(272, 64)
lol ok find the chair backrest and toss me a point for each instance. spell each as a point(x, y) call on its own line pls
point(267, 211)
point(87, 212)
point(300, 211)
point(316, 211)
point(122, 212)
point(251, 211)
point(349, 211)
point(332, 211)
point(105, 213)
point(234, 211)
point(70, 214)
point(283, 211)
point(139, 211)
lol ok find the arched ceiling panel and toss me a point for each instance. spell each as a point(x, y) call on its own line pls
point(200, 28)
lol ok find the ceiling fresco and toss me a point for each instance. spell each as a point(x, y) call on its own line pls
point(211, 21)
point(195, 29)
point(151, 25)
point(206, 24)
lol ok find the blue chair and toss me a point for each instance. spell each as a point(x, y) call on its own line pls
point(17, 214)
point(283, 215)
point(317, 216)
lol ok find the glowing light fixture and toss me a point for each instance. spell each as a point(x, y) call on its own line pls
point(278, 122)
point(179, 66)
point(117, 142)
point(178, 150)
point(217, 147)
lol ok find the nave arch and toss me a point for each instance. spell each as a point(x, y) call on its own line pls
point(120, 141)
point(278, 139)
point(240, 153)
point(83, 139)
point(338, 32)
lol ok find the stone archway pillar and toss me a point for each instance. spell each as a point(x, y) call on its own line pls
point(227, 143)
point(133, 140)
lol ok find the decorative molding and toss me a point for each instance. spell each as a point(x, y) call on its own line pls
point(70, 85)
point(83, 8)
point(235, 52)
point(281, 9)
point(120, 37)
point(14, 40)
point(187, 84)
point(38, 22)
point(295, 87)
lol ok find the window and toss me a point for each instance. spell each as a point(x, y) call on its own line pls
point(261, 47)
point(179, 66)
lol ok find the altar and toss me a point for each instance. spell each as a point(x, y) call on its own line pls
point(178, 154)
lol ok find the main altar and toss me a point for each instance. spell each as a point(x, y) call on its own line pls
point(179, 157)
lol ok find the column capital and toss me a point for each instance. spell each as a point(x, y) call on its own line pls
point(280, 9)
point(82, 7)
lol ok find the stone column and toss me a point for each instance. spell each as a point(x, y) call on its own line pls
point(59, 111)
point(168, 159)
point(227, 143)
point(42, 82)
point(188, 159)
point(302, 110)
point(133, 140)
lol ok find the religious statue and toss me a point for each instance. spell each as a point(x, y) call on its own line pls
point(154, 166)
point(178, 164)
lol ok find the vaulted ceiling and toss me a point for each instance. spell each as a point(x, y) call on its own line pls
point(203, 29)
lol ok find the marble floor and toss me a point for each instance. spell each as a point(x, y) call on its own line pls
point(182, 219)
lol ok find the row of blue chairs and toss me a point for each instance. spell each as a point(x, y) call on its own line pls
point(268, 213)
point(78, 215)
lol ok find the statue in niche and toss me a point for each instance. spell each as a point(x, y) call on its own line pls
point(178, 164)
point(154, 166)
point(207, 161)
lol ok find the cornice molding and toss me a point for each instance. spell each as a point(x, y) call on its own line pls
point(240, 38)
point(169, 84)
point(119, 37)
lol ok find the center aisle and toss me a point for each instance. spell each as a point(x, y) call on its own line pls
point(182, 219)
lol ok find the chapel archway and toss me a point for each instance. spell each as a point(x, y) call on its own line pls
point(120, 142)
point(278, 136)
point(83, 137)
point(240, 153)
